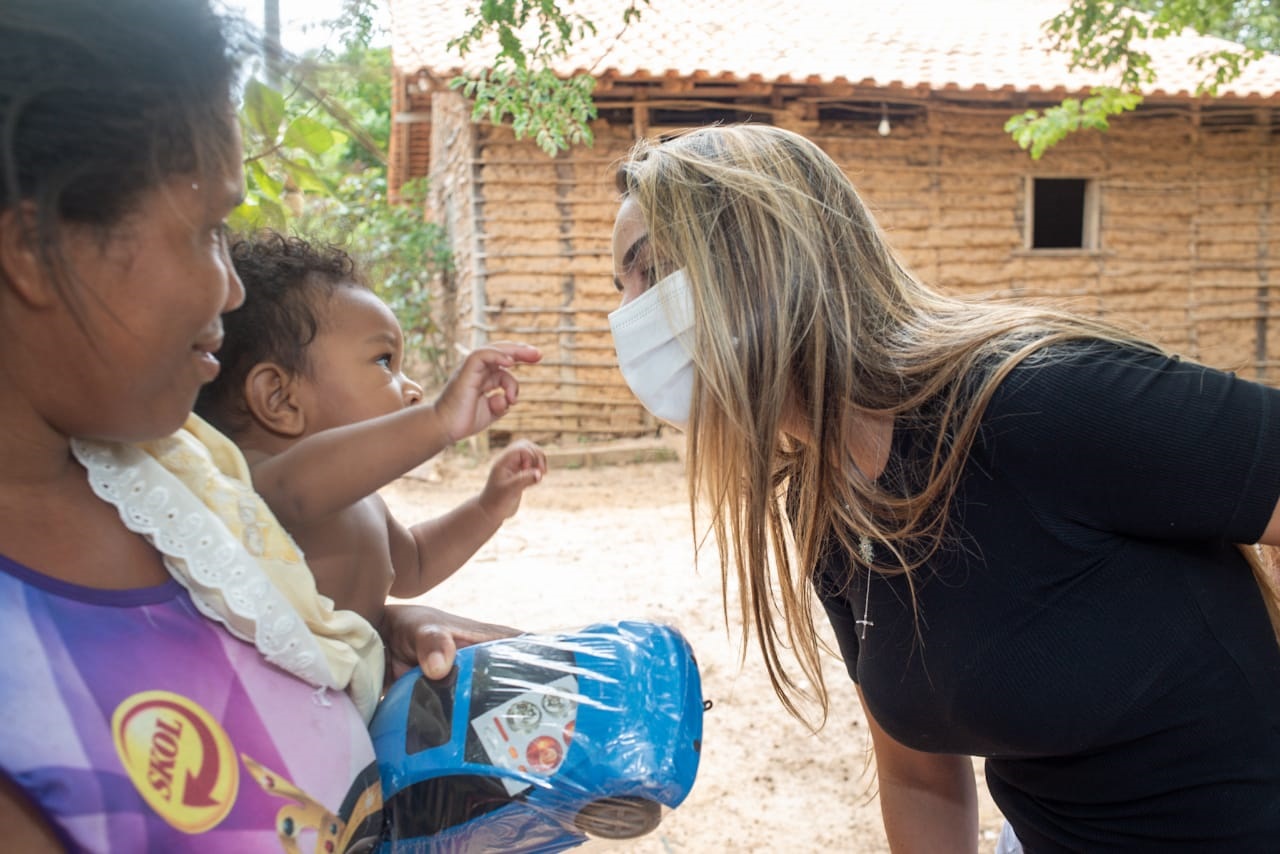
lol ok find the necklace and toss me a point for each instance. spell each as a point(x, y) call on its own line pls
point(867, 553)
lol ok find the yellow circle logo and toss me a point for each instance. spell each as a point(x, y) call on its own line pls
point(178, 757)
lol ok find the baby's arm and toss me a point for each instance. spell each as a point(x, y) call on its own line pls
point(333, 469)
point(431, 551)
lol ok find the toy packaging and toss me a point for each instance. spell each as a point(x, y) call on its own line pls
point(535, 742)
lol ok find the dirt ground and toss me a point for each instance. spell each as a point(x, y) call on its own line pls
point(597, 543)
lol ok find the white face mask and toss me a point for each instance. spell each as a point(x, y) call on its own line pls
point(653, 336)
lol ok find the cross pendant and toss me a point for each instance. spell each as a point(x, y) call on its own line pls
point(864, 623)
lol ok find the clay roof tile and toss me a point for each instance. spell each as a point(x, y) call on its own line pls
point(929, 44)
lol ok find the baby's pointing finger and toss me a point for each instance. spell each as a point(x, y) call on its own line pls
point(526, 353)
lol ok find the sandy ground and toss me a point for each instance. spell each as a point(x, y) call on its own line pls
point(599, 543)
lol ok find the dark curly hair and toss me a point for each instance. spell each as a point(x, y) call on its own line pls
point(286, 281)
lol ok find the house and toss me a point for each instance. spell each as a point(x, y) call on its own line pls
point(1169, 222)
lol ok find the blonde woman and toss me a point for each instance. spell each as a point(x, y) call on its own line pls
point(1023, 525)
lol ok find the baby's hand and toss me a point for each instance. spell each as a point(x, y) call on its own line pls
point(482, 389)
point(520, 465)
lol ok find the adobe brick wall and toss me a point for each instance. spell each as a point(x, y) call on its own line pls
point(1185, 255)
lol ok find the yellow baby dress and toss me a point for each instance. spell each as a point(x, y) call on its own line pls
point(191, 495)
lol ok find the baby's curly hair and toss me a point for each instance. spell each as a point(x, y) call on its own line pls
point(286, 280)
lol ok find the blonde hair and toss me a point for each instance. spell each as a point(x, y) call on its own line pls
point(803, 311)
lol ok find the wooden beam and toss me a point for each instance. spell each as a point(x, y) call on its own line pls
point(640, 117)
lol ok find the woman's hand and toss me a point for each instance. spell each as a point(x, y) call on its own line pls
point(419, 636)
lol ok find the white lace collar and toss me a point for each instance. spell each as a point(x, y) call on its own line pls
point(225, 581)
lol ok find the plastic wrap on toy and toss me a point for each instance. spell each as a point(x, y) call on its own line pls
point(535, 742)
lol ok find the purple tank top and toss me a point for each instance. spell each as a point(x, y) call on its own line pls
point(136, 724)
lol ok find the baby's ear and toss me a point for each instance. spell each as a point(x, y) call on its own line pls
point(21, 266)
point(271, 395)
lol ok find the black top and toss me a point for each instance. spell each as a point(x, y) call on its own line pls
point(1090, 628)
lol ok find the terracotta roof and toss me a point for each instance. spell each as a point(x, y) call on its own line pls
point(930, 44)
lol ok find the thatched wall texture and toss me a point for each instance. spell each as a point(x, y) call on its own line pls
point(532, 264)
point(1184, 250)
point(1185, 239)
point(453, 205)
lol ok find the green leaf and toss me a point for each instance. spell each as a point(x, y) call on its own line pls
point(1037, 132)
point(263, 108)
point(1111, 35)
point(255, 213)
point(511, 46)
point(304, 177)
point(261, 181)
point(308, 134)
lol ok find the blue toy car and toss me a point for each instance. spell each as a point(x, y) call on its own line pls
point(534, 742)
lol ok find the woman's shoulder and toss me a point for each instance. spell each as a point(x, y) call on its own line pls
point(1126, 408)
point(1086, 371)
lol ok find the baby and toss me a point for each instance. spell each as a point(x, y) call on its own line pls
point(311, 390)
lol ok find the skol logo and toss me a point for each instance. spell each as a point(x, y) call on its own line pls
point(178, 757)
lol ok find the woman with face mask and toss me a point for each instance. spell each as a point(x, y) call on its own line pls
point(1029, 530)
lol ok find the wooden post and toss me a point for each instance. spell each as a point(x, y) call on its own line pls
point(640, 117)
point(1263, 118)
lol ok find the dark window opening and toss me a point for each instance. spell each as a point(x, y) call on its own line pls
point(1060, 214)
point(430, 722)
point(881, 119)
point(616, 116)
point(665, 117)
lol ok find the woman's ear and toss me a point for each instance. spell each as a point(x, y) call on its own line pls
point(21, 268)
point(271, 396)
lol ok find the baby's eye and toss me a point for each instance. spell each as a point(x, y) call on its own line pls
point(385, 360)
